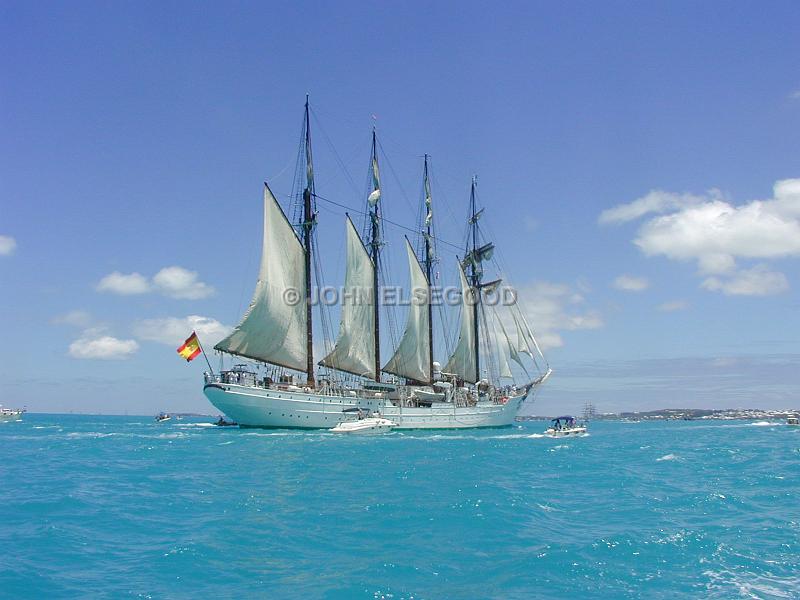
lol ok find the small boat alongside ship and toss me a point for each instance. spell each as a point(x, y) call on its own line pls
point(793, 420)
point(358, 421)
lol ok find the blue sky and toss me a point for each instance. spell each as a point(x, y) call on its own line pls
point(629, 155)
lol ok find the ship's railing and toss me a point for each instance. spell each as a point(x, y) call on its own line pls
point(249, 379)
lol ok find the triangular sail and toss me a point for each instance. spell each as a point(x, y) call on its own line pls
point(510, 350)
point(411, 360)
point(522, 343)
point(462, 362)
point(354, 351)
point(524, 330)
point(273, 329)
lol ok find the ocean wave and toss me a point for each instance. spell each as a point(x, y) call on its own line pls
point(667, 457)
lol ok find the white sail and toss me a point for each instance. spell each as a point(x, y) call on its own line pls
point(462, 362)
point(375, 195)
point(273, 329)
point(503, 349)
point(510, 351)
point(525, 333)
point(354, 351)
point(412, 358)
point(522, 343)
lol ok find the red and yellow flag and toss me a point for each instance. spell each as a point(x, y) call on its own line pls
point(190, 348)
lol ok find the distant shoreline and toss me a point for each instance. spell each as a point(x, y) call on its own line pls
point(686, 414)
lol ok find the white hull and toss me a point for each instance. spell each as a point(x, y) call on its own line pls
point(259, 407)
point(364, 426)
point(571, 431)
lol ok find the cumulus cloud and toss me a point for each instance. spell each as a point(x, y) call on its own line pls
point(673, 305)
point(174, 330)
point(174, 282)
point(96, 344)
point(77, 318)
point(758, 281)
point(124, 285)
point(7, 245)
point(177, 282)
point(656, 201)
point(629, 283)
point(714, 233)
point(551, 308)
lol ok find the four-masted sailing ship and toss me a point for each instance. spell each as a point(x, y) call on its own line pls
point(283, 387)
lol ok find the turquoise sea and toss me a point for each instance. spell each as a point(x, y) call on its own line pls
point(116, 507)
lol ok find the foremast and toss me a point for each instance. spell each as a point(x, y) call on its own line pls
point(429, 257)
point(476, 274)
point(308, 224)
point(375, 244)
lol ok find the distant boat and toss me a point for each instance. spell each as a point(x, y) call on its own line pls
point(221, 422)
point(11, 414)
point(475, 388)
point(161, 417)
point(793, 420)
point(565, 426)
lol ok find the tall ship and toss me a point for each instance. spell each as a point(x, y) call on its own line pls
point(493, 365)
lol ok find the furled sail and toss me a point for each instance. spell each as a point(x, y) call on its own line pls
point(273, 329)
point(375, 195)
point(462, 362)
point(354, 351)
point(412, 358)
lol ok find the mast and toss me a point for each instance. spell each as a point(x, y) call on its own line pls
point(429, 260)
point(475, 275)
point(375, 245)
point(308, 226)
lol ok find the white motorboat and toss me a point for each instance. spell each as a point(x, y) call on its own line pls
point(793, 420)
point(11, 414)
point(161, 417)
point(565, 426)
point(359, 421)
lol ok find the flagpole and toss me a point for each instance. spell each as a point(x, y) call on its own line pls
point(210, 368)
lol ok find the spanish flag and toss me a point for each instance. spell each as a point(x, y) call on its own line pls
point(190, 348)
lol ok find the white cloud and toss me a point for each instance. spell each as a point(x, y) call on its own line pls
point(177, 282)
point(174, 282)
point(124, 285)
point(553, 307)
point(714, 233)
point(673, 305)
point(7, 245)
point(94, 344)
point(77, 318)
point(656, 201)
point(795, 95)
point(758, 281)
point(629, 283)
point(174, 330)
